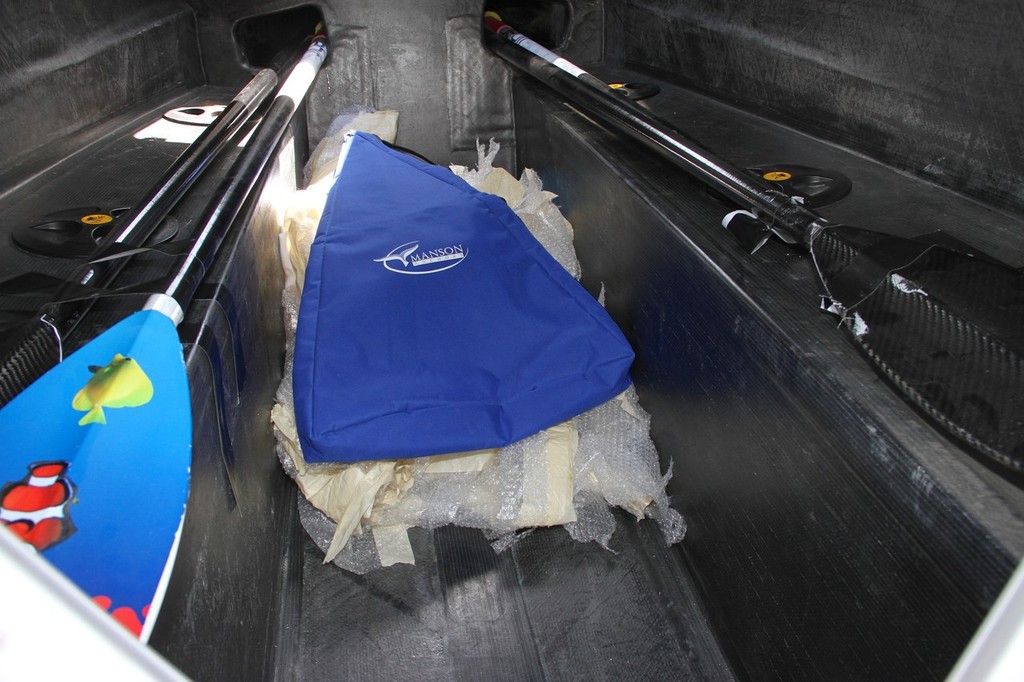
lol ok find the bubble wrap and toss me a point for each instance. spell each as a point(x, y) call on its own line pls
point(568, 475)
point(526, 196)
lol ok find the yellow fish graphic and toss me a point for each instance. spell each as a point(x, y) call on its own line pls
point(122, 383)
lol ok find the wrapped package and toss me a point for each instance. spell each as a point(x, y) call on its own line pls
point(567, 475)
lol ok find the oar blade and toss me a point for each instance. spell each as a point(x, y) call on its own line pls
point(97, 467)
point(944, 325)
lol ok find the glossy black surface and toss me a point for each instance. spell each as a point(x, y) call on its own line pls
point(932, 87)
point(828, 520)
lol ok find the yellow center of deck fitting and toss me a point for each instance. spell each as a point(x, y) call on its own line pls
point(96, 219)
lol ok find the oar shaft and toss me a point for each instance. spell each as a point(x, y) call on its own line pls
point(146, 215)
point(196, 158)
point(244, 175)
point(153, 208)
point(39, 345)
point(790, 220)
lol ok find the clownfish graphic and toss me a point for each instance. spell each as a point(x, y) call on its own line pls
point(36, 508)
point(120, 383)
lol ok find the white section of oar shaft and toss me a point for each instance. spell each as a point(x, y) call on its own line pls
point(546, 54)
point(300, 78)
point(167, 306)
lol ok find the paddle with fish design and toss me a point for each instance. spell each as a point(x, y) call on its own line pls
point(97, 474)
point(942, 322)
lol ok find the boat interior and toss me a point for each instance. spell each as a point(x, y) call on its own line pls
point(834, 530)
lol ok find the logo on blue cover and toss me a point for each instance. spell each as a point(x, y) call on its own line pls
point(410, 259)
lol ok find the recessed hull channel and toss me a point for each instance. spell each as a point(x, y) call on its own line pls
point(793, 439)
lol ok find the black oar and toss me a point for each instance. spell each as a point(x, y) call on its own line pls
point(944, 324)
point(107, 433)
point(240, 179)
point(39, 346)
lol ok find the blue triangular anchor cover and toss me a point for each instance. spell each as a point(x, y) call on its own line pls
point(432, 321)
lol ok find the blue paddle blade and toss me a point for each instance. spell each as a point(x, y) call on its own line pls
point(96, 472)
point(432, 321)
